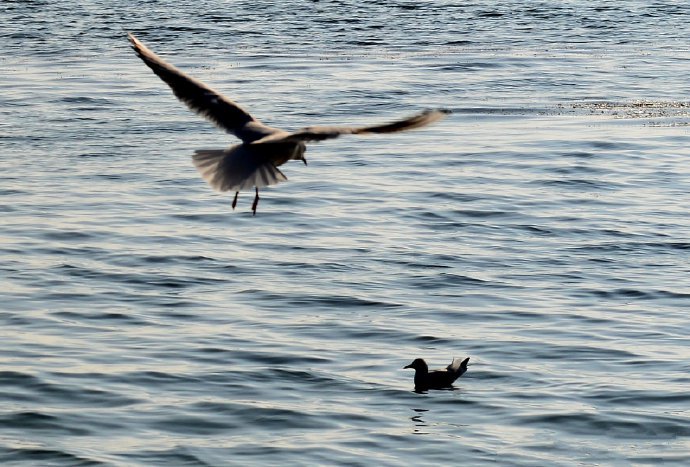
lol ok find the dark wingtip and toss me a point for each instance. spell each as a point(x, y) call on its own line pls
point(133, 41)
point(440, 110)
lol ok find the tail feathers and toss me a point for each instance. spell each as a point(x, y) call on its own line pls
point(459, 366)
point(235, 169)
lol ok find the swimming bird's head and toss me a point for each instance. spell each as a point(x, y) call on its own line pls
point(418, 364)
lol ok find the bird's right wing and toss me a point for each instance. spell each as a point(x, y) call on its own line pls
point(198, 97)
point(319, 133)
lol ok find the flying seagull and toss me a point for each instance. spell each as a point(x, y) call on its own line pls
point(254, 162)
point(436, 379)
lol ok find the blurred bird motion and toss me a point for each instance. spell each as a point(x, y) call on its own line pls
point(254, 162)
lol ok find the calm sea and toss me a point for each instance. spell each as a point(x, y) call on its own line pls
point(541, 229)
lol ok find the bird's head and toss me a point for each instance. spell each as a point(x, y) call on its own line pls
point(418, 364)
point(298, 152)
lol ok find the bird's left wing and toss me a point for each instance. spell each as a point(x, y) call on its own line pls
point(198, 97)
point(319, 133)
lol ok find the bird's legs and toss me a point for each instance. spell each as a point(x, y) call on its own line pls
point(256, 202)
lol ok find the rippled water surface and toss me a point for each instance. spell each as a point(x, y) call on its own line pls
point(541, 229)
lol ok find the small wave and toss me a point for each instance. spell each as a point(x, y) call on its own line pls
point(635, 246)
point(105, 317)
point(11, 192)
point(577, 183)
point(10, 378)
point(633, 426)
point(154, 279)
point(39, 421)
point(85, 100)
point(251, 413)
point(443, 280)
point(321, 301)
point(67, 235)
point(25, 387)
point(158, 378)
point(629, 397)
point(279, 359)
point(490, 14)
point(476, 214)
point(178, 455)
point(628, 293)
point(193, 425)
point(41, 456)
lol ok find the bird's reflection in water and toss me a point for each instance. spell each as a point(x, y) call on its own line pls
point(423, 390)
point(419, 422)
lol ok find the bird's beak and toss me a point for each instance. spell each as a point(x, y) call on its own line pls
point(305, 161)
point(407, 366)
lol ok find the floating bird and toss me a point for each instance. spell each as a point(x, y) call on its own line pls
point(436, 379)
point(253, 163)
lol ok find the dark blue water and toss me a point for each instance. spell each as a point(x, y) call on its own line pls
point(542, 230)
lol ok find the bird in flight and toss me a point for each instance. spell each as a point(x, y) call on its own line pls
point(254, 162)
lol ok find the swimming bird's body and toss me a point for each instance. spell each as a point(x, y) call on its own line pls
point(254, 162)
point(437, 379)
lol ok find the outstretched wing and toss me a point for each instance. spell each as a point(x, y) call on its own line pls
point(318, 133)
point(199, 97)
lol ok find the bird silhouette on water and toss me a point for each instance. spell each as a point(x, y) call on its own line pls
point(253, 163)
point(436, 379)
